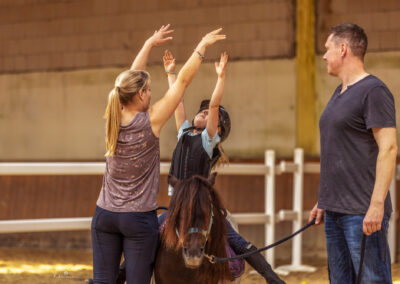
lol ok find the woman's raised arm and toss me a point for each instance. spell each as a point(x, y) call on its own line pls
point(159, 37)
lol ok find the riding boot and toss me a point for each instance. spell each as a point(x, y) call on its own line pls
point(121, 278)
point(258, 262)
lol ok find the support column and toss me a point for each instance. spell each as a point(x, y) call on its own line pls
point(306, 124)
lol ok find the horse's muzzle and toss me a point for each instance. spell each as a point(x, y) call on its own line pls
point(193, 258)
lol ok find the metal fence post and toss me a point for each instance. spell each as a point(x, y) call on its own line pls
point(298, 205)
point(270, 204)
point(296, 215)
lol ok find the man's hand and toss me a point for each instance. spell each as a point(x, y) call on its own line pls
point(373, 219)
point(316, 214)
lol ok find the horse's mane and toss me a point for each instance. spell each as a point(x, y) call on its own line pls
point(190, 206)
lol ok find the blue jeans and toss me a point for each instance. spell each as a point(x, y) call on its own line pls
point(343, 242)
point(135, 234)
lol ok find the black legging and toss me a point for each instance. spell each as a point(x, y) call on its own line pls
point(133, 233)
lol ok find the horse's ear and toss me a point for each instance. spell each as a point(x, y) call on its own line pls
point(211, 178)
point(172, 180)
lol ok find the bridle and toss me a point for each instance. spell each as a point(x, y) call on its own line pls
point(195, 230)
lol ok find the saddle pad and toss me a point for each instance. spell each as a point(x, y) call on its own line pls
point(237, 265)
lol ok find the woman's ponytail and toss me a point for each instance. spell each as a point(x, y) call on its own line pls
point(127, 85)
point(113, 120)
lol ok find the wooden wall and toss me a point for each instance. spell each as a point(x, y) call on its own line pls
point(29, 197)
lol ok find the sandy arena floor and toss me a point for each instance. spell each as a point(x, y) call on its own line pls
point(35, 266)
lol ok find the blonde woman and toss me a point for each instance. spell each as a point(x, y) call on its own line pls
point(125, 219)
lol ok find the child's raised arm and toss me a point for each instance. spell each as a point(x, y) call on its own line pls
point(162, 110)
point(212, 123)
point(169, 66)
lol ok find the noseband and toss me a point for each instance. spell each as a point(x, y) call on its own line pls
point(195, 230)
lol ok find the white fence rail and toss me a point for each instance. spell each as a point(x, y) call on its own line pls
point(45, 225)
point(269, 169)
point(98, 168)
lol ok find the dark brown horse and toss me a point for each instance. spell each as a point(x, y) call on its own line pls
point(194, 226)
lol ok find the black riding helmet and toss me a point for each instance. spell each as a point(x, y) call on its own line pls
point(224, 120)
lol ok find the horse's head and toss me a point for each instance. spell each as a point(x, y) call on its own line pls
point(194, 216)
point(193, 247)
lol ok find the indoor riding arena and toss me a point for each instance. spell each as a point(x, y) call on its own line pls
point(59, 61)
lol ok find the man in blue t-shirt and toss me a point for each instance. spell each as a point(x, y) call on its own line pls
point(358, 158)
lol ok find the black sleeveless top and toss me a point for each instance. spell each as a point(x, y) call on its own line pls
point(190, 157)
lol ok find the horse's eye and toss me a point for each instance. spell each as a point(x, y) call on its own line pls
point(184, 250)
point(202, 250)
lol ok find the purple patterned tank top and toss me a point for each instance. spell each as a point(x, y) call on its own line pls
point(132, 176)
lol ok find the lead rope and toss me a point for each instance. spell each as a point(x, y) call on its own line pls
point(214, 259)
point(358, 279)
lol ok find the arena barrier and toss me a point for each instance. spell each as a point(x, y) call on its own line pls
point(269, 169)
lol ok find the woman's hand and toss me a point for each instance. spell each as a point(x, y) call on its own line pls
point(221, 65)
point(160, 36)
point(211, 38)
point(169, 61)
